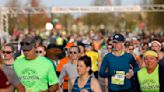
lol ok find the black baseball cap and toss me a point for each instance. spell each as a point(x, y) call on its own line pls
point(27, 43)
point(118, 38)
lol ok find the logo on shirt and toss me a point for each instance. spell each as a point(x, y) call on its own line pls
point(29, 77)
point(149, 85)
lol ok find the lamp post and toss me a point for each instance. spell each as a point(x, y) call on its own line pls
point(66, 26)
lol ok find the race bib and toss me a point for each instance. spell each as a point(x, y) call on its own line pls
point(118, 78)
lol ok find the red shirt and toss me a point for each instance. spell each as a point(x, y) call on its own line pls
point(4, 83)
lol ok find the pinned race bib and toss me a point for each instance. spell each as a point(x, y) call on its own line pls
point(118, 78)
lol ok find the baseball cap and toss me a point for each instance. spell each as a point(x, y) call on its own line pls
point(69, 44)
point(27, 43)
point(118, 38)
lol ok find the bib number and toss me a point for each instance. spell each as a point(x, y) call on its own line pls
point(118, 78)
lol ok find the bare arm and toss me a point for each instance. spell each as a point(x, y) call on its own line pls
point(54, 88)
point(71, 84)
point(106, 84)
point(95, 86)
point(20, 87)
point(70, 88)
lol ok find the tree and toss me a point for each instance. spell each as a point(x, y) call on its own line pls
point(101, 2)
point(155, 19)
point(35, 21)
point(13, 21)
point(34, 3)
point(97, 19)
point(65, 19)
point(131, 20)
point(13, 3)
point(158, 16)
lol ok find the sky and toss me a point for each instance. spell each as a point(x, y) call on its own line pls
point(67, 2)
point(51, 3)
point(60, 3)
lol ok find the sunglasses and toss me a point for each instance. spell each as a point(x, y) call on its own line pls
point(131, 49)
point(86, 46)
point(38, 51)
point(73, 52)
point(25, 43)
point(7, 52)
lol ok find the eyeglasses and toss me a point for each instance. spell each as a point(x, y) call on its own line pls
point(38, 51)
point(7, 52)
point(73, 52)
point(87, 46)
point(25, 43)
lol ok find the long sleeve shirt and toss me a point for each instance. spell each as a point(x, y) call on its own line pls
point(117, 63)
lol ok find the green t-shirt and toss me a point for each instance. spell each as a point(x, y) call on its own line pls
point(148, 82)
point(35, 74)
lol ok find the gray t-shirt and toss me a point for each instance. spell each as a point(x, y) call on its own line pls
point(11, 75)
point(70, 70)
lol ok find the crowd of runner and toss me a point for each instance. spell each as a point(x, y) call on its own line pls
point(90, 62)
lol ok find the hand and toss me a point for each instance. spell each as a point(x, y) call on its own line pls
point(130, 74)
point(160, 55)
point(60, 88)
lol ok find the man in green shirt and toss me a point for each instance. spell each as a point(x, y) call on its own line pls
point(35, 72)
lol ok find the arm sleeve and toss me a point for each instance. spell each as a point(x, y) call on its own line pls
point(103, 67)
point(12, 77)
point(52, 76)
point(62, 74)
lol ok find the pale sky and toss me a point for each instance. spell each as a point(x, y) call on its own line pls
point(51, 3)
